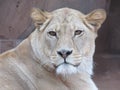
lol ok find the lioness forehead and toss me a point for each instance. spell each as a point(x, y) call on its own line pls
point(67, 18)
point(67, 14)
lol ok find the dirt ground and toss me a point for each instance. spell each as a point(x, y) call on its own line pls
point(108, 81)
point(107, 72)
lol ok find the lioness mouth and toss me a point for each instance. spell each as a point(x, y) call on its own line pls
point(66, 63)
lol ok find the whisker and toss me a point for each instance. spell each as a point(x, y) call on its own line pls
point(53, 57)
point(76, 56)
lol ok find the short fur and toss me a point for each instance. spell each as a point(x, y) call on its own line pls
point(35, 64)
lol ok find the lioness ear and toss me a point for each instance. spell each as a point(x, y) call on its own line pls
point(39, 16)
point(96, 18)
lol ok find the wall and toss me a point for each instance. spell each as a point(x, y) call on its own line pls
point(114, 27)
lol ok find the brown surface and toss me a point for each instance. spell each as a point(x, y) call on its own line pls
point(107, 71)
point(114, 26)
point(108, 81)
point(15, 17)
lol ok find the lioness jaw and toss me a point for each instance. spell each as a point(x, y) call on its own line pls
point(58, 55)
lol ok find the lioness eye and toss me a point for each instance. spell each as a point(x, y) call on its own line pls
point(52, 33)
point(78, 32)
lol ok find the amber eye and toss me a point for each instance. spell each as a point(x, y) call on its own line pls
point(78, 32)
point(52, 33)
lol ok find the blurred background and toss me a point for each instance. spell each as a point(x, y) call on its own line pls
point(16, 25)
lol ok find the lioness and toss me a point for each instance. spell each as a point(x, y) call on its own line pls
point(58, 55)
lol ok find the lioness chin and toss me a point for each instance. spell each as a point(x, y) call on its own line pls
point(58, 55)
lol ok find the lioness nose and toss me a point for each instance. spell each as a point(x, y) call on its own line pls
point(64, 53)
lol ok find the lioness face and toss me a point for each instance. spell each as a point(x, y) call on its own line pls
point(69, 40)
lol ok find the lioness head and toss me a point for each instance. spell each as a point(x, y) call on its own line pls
point(64, 40)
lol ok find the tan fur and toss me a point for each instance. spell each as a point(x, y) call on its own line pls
point(35, 64)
